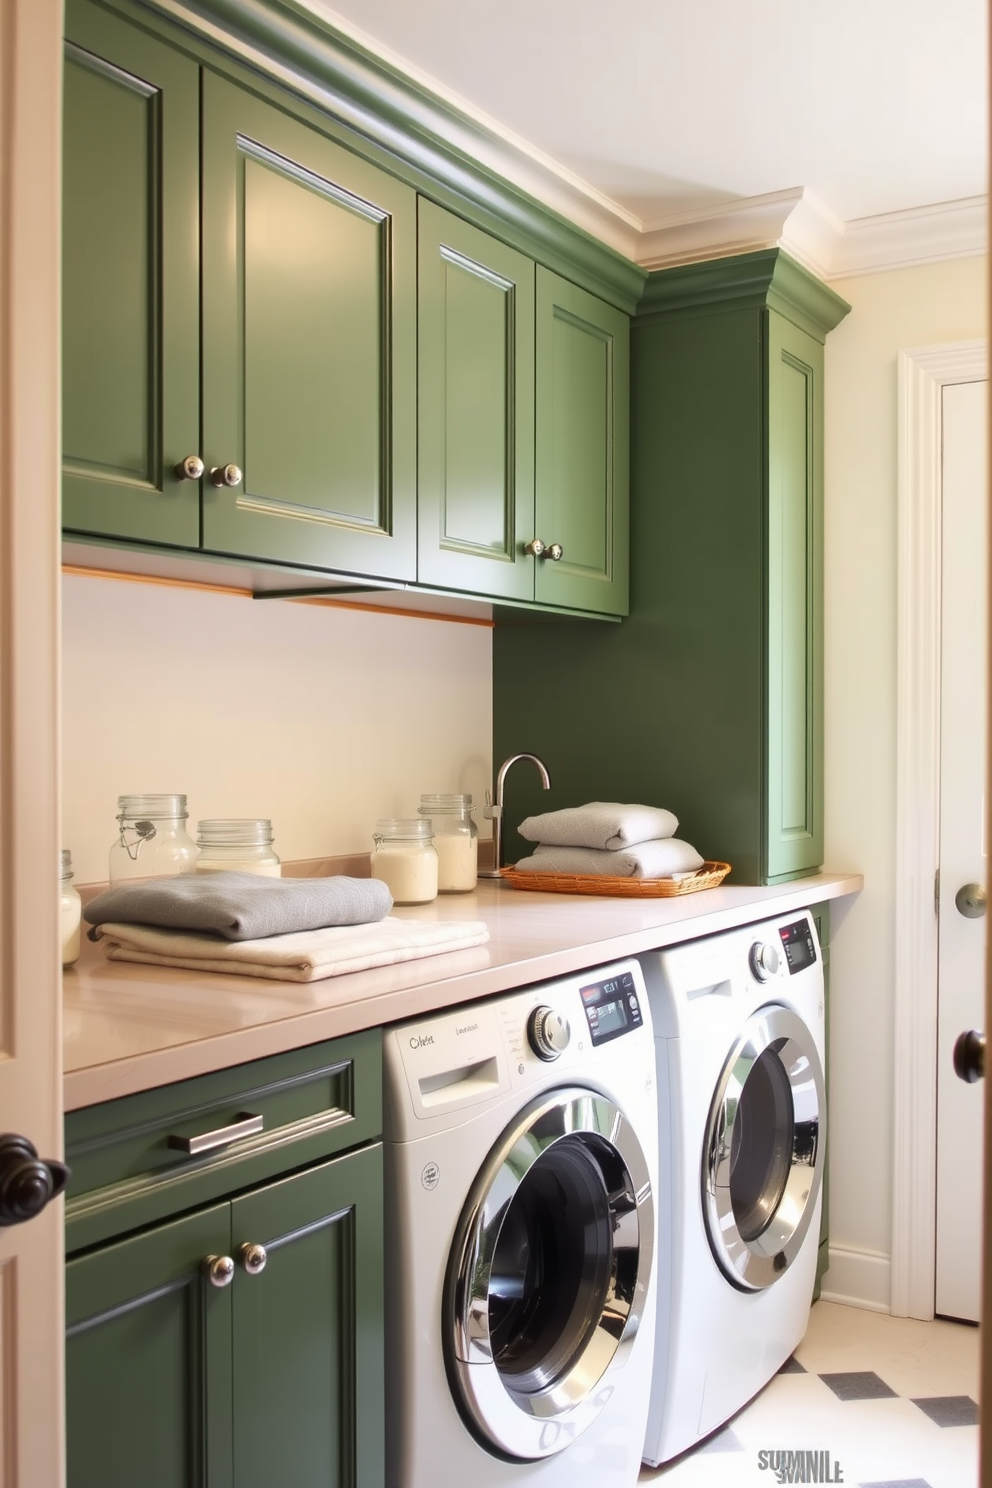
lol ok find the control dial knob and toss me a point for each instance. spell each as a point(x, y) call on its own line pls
point(764, 959)
point(548, 1032)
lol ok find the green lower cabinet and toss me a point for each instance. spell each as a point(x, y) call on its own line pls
point(582, 415)
point(476, 409)
point(148, 1361)
point(273, 1379)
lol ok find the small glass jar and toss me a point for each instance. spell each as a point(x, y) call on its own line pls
point(153, 841)
point(70, 911)
point(456, 842)
point(239, 846)
point(405, 860)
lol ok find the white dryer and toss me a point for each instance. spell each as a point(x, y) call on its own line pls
point(521, 1171)
point(739, 1033)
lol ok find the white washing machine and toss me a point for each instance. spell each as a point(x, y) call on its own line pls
point(739, 1035)
point(521, 1171)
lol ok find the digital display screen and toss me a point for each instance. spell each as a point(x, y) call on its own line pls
point(612, 1008)
point(798, 944)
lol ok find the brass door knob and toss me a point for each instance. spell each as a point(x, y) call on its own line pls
point(554, 552)
point(252, 1257)
point(218, 1270)
point(225, 475)
point(534, 548)
point(189, 469)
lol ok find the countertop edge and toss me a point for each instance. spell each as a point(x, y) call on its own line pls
point(724, 909)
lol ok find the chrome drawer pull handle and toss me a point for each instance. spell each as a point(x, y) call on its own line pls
point(244, 1125)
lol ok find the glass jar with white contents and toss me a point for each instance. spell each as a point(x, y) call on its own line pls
point(456, 841)
point(237, 845)
point(152, 841)
point(70, 911)
point(405, 860)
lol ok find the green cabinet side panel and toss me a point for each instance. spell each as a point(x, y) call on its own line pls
point(148, 1361)
point(795, 601)
point(582, 413)
point(130, 283)
point(665, 708)
point(821, 919)
point(307, 1346)
point(476, 409)
point(309, 344)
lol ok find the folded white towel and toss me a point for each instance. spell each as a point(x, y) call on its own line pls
point(607, 825)
point(659, 859)
point(307, 956)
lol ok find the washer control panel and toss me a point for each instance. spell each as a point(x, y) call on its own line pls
point(798, 944)
point(611, 1007)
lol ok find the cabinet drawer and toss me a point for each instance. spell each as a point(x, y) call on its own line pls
point(129, 1157)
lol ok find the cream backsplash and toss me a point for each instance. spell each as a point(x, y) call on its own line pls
point(321, 718)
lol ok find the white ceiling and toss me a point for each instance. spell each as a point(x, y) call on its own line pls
point(667, 110)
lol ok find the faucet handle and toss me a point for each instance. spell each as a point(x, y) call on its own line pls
point(491, 812)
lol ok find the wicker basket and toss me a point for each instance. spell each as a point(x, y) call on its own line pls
point(608, 887)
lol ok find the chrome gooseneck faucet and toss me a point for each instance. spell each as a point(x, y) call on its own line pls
point(493, 810)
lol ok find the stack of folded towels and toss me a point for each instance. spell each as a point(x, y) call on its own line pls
point(292, 929)
point(606, 837)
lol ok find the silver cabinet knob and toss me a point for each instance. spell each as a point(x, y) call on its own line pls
point(969, 1056)
point(534, 548)
point(764, 959)
point(252, 1257)
point(554, 551)
point(970, 901)
point(189, 469)
point(548, 1033)
point(218, 1270)
point(225, 475)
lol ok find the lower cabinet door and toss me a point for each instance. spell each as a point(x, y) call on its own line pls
point(148, 1360)
point(308, 1328)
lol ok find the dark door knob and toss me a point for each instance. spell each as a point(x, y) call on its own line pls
point(27, 1181)
point(969, 1056)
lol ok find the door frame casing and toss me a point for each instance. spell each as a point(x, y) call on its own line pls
point(923, 374)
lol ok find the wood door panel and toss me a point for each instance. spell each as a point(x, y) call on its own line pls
point(308, 1330)
point(581, 497)
point(148, 1361)
point(476, 412)
point(309, 344)
point(130, 322)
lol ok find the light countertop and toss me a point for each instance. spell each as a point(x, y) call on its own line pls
point(129, 1027)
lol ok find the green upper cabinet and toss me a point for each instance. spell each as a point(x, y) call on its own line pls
point(476, 413)
point(309, 344)
point(130, 315)
point(581, 500)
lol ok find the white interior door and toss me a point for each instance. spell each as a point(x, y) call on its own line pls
point(31, 1347)
point(963, 849)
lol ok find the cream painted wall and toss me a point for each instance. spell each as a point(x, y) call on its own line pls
point(890, 311)
point(322, 719)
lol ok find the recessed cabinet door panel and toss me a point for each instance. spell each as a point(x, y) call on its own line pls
point(583, 371)
point(148, 1361)
point(308, 344)
point(795, 600)
point(476, 414)
point(308, 1365)
point(130, 312)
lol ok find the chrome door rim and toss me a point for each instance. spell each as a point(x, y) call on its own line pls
point(755, 1263)
point(540, 1423)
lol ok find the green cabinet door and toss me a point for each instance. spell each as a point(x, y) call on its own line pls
point(309, 344)
point(476, 409)
point(794, 757)
point(581, 498)
point(308, 1330)
point(130, 284)
point(148, 1361)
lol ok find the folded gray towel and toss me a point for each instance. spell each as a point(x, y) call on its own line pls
point(242, 906)
point(607, 825)
point(658, 859)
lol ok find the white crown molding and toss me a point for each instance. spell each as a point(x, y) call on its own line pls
point(793, 219)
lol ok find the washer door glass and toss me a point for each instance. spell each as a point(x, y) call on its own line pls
point(763, 1153)
point(548, 1275)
